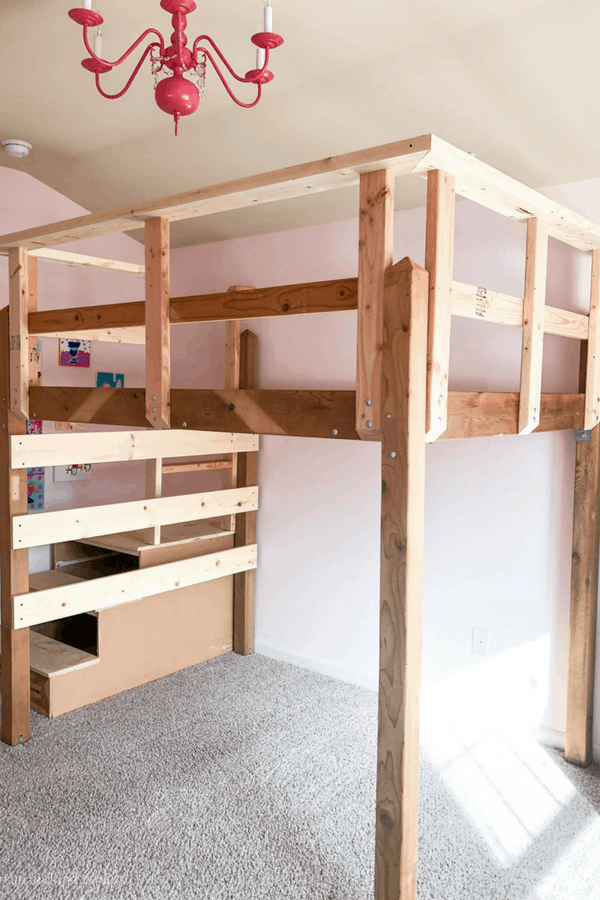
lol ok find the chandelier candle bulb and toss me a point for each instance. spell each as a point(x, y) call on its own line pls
point(87, 4)
point(268, 16)
point(260, 57)
point(98, 44)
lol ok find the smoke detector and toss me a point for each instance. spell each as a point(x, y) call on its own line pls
point(16, 149)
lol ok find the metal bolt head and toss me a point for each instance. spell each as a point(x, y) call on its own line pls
point(439, 421)
point(388, 415)
point(334, 432)
point(393, 454)
point(369, 424)
point(153, 410)
point(368, 402)
point(154, 398)
point(441, 398)
point(184, 424)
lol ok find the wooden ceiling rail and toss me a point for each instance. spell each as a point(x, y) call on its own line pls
point(80, 260)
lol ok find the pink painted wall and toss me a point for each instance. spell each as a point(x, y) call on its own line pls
point(498, 511)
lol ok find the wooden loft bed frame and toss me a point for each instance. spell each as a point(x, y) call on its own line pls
point(401, 400)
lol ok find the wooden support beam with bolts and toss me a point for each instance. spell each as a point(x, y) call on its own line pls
point(375, 256)
point(592, 379)
point(439, 254)
point(18, 268)
point(533, 325)
point(232, 382)
point(245, 524)
point(584, 594)
point(14, 565)
point(154, 474)
point(402, 537)
point(158, 330)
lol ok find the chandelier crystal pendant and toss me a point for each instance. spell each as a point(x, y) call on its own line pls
point(177, 94)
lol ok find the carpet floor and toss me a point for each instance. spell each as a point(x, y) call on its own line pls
point(250, 778)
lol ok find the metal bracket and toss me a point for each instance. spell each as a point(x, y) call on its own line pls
point(582, 435)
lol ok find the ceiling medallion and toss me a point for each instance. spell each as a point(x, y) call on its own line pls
point(176, 94)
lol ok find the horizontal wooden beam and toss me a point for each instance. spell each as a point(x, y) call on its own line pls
point(78, 524)
point(126, 587)
point(282, 184)
point(120, 318)
point(294, 413)
point(33, 450)
point(491, 414)
point(471, 302)
point(206, 466)
point(79, 260)
point(134, 335)
point(475, 180)
point(298, 413)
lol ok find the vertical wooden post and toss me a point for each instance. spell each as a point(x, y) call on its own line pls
point(584, 582)
point(439, 261)
point(32, 305)
point(592, 379)
point(19, 331)
point(14, 574)
point(533, 326)
point(245, 524)
point(232, 383)
point(158, 329)
point(402, 536)
point(375, 255)
point(154, 489)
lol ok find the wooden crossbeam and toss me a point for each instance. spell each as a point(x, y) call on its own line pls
point(78, 524)
point(206, 466)
point(123, 318)
point(126, 587)
point(158, 331)
point(475, 180)
point(375, 256)
point(80, 260)
point(592, 379)
point(471, 302)
point(299, 413)
point(533, 325)
point(439, 251)
point(29, 451)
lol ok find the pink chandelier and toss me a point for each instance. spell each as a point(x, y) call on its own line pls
point(176, 94)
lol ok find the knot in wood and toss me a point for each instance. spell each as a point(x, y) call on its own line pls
point(285, 307)
point(384, 487)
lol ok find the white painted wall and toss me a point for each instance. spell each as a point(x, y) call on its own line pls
point(498, 511)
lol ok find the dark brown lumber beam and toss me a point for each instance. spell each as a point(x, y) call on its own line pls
point(288, 300)
point(490, 414)
point(294, 413)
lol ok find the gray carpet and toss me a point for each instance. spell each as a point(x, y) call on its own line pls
point(249, 778)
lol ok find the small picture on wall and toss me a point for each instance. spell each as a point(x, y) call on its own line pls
point(73, 472)
point(110, 379)
point(74, 353)
point(34, 426)
point(35, 489)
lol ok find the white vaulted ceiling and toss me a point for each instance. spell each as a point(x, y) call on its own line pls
point(516, 82)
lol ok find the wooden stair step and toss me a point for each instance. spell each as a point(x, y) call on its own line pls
point(50, 657)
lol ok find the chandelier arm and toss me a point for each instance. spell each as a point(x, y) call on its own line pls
point(129, 83)
point(161, 44)
point(228, 89)
point(206, 37)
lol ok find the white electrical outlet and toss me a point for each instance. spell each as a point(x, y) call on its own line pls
point(481, 642)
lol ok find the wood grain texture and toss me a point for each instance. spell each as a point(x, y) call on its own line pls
point(18, 316)
point(534, 302)
point(14, 566)
point(489, 414)
point(35, 376)
point(244, 583)
point(439, 259)
point(154, 474)
point(592, 380)
point(584, 601)
point(80, 260)
point(127, 587)
point(91, 521)
point(402, 538)
point(375, 256)
point(255, 303)
point(471, 302)
point(158, 329)
point(232, 381)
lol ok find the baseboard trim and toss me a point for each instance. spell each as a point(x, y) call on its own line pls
point(314, 664)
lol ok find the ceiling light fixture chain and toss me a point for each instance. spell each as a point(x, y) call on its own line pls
point(177, 94)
